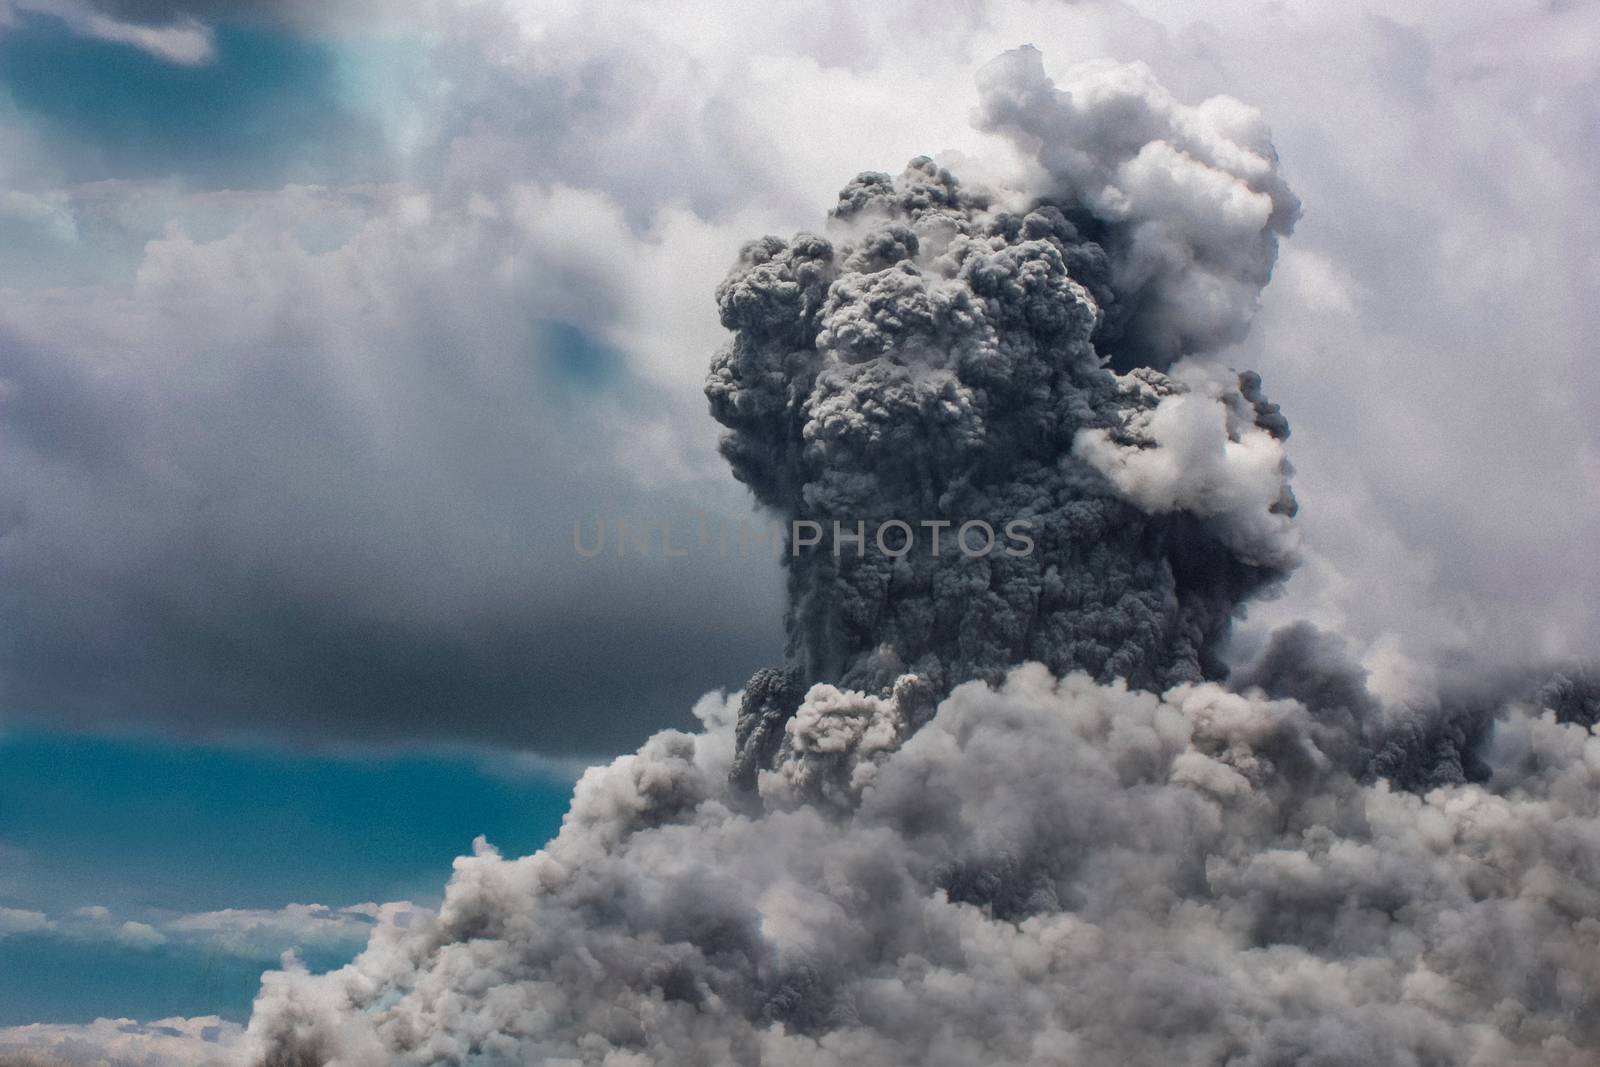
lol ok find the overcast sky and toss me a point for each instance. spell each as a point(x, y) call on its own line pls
point(321, 324)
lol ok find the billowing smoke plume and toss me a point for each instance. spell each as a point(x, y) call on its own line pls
point(903, 848)
point(944, 360)
point(1187, 201)
point(1052, 873)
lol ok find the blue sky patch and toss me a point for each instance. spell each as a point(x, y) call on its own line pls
point(154, 831)
point(269, 108)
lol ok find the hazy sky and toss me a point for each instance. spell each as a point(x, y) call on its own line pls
point(321, 325)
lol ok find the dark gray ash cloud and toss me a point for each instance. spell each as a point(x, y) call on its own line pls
point(950, 356)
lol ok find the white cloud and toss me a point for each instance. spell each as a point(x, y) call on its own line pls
point(206, 1041)
point(1195, 453)
point(22, 921)
point(269, 933)
point(186, 42)
point(140, 935)
point(255, 934)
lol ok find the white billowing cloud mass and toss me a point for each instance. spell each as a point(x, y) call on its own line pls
point(1202, 452)
point(1195, 191)
point(1318, 866)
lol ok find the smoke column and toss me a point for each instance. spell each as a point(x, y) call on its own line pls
point(943, 359)
point(1004, 809)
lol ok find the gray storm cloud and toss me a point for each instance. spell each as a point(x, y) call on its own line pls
point(1003, 809)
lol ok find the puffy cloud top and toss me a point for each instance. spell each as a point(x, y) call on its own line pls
point(1189, 200)
point(1051, 872)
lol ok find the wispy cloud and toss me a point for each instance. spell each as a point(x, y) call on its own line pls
point(256, 934)
point(186, 42)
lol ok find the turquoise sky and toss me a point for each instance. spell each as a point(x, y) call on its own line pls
point(151, 830)
point(270, 108)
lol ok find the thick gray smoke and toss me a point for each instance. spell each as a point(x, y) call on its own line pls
point(1051, 873)
point(942, 360)
point(904, 848)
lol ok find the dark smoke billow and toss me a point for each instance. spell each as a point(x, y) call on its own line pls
point(943, 357)
point(939, 365)
point(909, 846)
